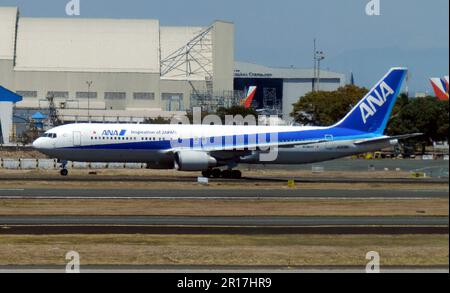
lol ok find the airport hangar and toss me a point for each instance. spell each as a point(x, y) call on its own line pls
point(126, 70)
point(134, 65)
point(280, 88)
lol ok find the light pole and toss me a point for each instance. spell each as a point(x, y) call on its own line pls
point(318, 57)
point(89, 83)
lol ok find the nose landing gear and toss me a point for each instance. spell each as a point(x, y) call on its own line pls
point(226, 174)
point(64, 171)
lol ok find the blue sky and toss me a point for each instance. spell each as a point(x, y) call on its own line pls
point(413, 33)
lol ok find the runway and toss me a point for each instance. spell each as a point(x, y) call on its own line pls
point(223, 221)
point(169, 179)
point(54, 225)
point(211, 194)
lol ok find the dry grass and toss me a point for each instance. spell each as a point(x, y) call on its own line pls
point(29, 154)
point(233, 185)
point(283, 250)
point(301, 207)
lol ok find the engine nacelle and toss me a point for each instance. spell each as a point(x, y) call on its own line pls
point(194, 161)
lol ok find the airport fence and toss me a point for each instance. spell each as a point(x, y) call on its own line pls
point(51, 164)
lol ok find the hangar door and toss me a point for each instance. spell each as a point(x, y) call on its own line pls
point(293, 89)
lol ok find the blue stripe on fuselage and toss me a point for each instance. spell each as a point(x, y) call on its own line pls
point(338, 134)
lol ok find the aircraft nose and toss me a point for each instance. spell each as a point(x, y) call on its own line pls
point(37, 144)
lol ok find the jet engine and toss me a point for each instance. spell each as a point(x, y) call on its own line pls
point(194, 161)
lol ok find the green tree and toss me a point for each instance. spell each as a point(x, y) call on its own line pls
point(327, 108)
point(30, 134)
point(222, 112)
point(235, 111)
point(422, 115)
point(159, 120)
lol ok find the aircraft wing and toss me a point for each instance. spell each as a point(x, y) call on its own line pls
point(387, 138)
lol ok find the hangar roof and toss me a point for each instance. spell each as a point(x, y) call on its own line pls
point(8, 19)
point(88, 45)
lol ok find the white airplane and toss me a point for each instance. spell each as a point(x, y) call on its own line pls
point(206, 148)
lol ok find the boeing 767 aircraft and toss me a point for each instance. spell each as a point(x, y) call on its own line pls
point(206, 148)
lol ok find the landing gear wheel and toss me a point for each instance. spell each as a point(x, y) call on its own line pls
point(216, 173)
point(206, 174)
point(236, 174)
point(64, 172)
point(227, 174)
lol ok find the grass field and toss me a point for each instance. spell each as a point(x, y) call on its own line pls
point(223, 250)
point(217, 250)
point(294, 207)
point(229, 185)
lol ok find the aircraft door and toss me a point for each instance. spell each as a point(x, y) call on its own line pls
point(76, 138)
point(329, 144)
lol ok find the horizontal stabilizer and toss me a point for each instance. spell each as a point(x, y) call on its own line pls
point(387, 138)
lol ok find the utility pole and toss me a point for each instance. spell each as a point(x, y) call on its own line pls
point(315, 66)
point(89, 84)
point(318, 57)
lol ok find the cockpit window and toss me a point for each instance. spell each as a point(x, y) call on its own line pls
point(49, 135)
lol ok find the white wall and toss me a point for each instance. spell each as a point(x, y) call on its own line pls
point(6, 120)
point(8, 18)
point(88, 45)
point(292, 91)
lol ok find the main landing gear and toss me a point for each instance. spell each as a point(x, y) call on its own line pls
point(64, 172)
point(226, 174)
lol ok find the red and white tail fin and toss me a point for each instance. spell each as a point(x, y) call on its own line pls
point(247, 102)
point(440, 87)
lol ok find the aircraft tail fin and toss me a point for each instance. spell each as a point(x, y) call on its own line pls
point(372, 113)
point(247, 102)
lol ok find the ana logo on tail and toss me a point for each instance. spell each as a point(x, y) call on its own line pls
point(370, 106)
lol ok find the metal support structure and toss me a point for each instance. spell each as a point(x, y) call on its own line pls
point(191, 59)
point(53, 113)
point(270, 102)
